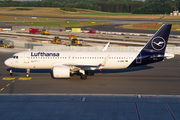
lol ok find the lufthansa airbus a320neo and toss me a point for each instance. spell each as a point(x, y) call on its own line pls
point(64, 63)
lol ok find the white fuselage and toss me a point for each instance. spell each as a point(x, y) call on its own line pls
point(48, 59)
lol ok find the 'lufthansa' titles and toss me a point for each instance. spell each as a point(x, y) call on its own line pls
point(44, 54)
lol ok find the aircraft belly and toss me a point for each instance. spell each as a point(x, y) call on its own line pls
point(36, 65)
point(118, 66)
point(43, 65)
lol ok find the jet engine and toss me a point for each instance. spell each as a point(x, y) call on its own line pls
point(61, 72)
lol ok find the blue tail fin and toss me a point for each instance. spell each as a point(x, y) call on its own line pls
point(154, 50)
point(159, 41)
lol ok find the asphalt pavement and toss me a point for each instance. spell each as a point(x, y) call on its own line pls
point(143, 93)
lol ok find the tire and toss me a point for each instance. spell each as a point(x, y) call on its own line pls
point(27, 75)
point(83, 77)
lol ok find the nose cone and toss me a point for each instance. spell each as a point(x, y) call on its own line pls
point(7, 62)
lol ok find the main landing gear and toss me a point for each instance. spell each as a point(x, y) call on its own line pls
point(27, 73)
point(84, 74)
point(83, 77)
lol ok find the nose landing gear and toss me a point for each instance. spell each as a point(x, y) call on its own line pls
point(27, 73)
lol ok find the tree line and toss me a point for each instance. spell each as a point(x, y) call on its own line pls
point(155, 8)
point(115, 6)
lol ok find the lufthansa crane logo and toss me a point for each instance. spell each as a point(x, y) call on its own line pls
point(158, 43)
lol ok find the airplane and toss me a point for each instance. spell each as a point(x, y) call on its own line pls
point(65, 63)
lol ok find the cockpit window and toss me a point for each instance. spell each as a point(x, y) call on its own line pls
point(15, 57)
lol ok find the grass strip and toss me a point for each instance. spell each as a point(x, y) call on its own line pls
point(151, 26)
point(57, 24)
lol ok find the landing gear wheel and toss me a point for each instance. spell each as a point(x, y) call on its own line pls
point(27, 75)
point(83, 77)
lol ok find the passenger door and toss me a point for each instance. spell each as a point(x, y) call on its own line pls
point(26, 58)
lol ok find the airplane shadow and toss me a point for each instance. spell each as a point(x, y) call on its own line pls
point(17, 70)
point(90, 73)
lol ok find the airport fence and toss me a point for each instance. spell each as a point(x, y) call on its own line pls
point(31, 45)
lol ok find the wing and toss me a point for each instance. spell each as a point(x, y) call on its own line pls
point(81, 65)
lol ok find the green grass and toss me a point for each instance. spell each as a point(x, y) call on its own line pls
point(68, 9)
point(109, 14)
point(57, 24)
point(81, 13)
point(175, 26)
point(21, 9)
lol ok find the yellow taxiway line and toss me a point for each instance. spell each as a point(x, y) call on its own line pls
point(13, 78)
point(25, 78)
point(8, 78)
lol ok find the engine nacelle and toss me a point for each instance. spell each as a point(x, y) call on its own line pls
point(61, 72)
